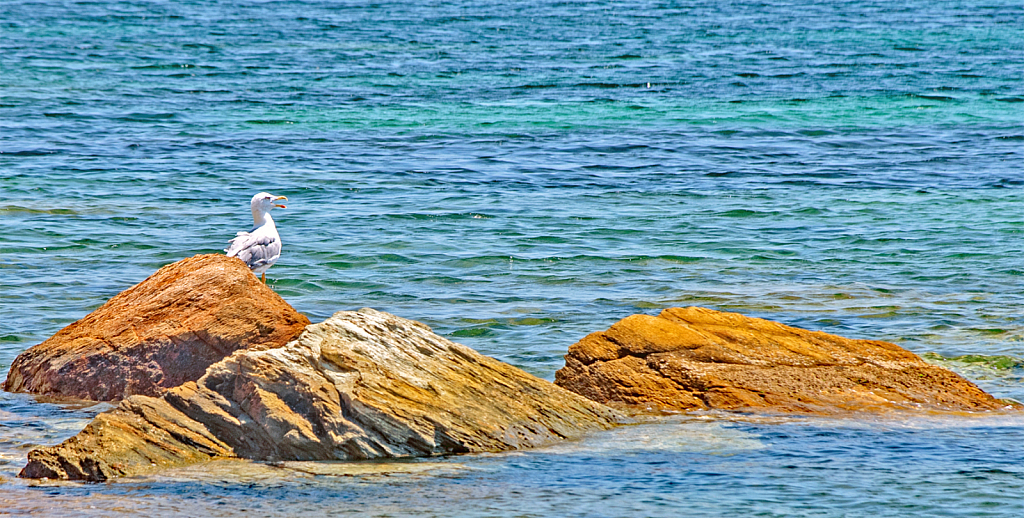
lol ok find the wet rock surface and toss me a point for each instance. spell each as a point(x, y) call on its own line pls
point(360, 385)
point(696, 358)
point(159, 334)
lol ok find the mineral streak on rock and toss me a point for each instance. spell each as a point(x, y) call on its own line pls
point(159, 333)
point(360, 385)
point(697, 358)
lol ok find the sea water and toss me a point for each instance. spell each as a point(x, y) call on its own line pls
point(517, 175)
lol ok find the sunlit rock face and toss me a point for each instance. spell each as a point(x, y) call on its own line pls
point(360, 385)
point(160, 333)
point(697, 358)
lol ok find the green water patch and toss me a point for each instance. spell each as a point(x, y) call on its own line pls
point(395, 258)
point(472, 332)
point(680, 259)
point(344, 265)
point(989, 331)
point(28, 210)
point(490, 326)
point(524, 321)
point(995, 362)
point(647, 305)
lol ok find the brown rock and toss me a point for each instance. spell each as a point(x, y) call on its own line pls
point(696, 358)
point(142, 434)
point(360, 385)
point(159, 333)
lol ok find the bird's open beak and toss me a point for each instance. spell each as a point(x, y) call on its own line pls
point(280, 198)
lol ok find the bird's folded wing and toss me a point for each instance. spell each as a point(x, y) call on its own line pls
point(254, 249)
point(236, 243)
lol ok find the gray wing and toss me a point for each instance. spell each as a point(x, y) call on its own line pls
point(256, 249)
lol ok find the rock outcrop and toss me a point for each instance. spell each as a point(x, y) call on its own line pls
point(143, 434)
point(696, 358)
point(159, 334)
point(360, 385)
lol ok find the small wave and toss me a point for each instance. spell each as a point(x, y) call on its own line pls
point(172, 66)
point(66, 115)
point(942, 98)
point(420, 216)
point(547, 239)
point(810, 210)
point(145, 117)
point(599, 85)
point(395, 258)
point(30, 152)
point(208, 47)
point(740, 213)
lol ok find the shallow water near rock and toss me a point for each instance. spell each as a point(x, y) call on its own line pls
point(517, 176)
point(711, 465)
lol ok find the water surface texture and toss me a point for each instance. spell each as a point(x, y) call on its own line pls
point(519, 174)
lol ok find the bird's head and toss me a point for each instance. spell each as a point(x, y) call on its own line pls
point(264, 201)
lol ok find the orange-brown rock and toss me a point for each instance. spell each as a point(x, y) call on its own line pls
point(143, 434)
point(159, 333)
point(360, 385)
point(696, 358)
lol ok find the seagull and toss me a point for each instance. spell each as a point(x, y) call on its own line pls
point(261, 246)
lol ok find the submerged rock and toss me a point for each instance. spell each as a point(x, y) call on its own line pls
point(360, 385)
point(696, 358)
point(159, 333)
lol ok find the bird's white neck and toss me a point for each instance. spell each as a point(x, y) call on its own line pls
point(260, 218)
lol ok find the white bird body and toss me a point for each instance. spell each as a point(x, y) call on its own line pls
point(260, 247)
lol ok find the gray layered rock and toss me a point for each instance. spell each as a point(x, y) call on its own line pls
point(360, 385)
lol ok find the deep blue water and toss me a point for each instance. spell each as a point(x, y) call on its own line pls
point(519, 174)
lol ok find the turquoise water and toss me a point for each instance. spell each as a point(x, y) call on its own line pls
point(517, 175)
